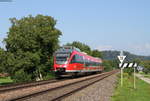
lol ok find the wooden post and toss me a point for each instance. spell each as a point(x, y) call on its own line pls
point(121, 77)
point(134, 79)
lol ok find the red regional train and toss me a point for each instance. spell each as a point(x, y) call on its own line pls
point(69, 60)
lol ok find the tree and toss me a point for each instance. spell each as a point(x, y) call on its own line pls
point(30, 43)
point(83, 47)
point(107, 65)
point(97, 53)
point(1, 60)
point(110, 64)
point(146, 65)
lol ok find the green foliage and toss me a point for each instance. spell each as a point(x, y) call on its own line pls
point(146, 65)
point(1, 59)
point(146, 70)
point(83, 47)
point(97, 53)
point(22, 76)
point(107, 66)
point(110, 65)
point(128, 70)
point(30, 45)
point(5, 80)
point(131, 70)
point(50, 76)
point(136, 60)
point(33, 34)
point(126, 75)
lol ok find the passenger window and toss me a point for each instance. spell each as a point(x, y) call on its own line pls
point(81, 59)
point(77, 59)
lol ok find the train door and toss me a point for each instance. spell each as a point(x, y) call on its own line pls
point(77, 62)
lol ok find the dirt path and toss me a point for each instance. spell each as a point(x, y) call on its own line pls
point(143, 78)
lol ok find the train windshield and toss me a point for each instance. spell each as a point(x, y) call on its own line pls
point(62, 58)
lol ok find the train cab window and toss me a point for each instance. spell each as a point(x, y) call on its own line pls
point(73, 60)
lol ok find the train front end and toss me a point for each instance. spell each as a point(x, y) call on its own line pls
point(61, 60)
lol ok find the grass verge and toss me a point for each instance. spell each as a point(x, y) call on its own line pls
point(5, 80)
point(146, 75)
point(128, 93)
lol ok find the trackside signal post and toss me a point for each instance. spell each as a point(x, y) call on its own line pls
point(134, 74)
point(126, 65)
point(121, 58)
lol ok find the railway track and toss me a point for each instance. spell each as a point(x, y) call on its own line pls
point(63, 90)
point(12, 87)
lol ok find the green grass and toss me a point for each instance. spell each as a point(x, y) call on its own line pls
point(5, 80)
point(50, 76)
point(141, 72)
point(128, 93)
point(146, 75)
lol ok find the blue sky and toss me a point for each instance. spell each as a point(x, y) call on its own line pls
point(102, 24)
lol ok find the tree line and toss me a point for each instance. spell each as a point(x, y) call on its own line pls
point(112, 54)
point(29, 47)
point(146, 65)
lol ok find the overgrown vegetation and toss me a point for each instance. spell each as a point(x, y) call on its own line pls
point(128, 93)
point(110, 65)
point(5, 80)
point(146, 65)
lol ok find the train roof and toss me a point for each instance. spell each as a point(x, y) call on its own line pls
point(89, 57)
point(70, 49)
point(67, 49)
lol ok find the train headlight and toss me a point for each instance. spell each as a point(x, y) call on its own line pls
point(65, 66)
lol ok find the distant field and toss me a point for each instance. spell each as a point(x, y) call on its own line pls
point(127, 93)
point(5, 80)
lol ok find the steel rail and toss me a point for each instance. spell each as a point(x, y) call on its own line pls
point(102, 76)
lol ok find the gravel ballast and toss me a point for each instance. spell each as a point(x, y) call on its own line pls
point(26, 91)
point(100, 91)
